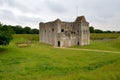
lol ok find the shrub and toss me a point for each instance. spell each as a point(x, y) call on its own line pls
point(5, 35)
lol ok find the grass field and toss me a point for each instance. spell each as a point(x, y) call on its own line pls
point(43, 62)
point(112, 45)
point(100, 36)
point(103, 42)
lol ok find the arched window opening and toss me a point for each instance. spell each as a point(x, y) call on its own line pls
point(62, 30)
point(52, 29)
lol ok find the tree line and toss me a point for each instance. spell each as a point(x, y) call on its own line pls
point(6, 32)
point(20, 30)
point(93, 30)
point(27, 30)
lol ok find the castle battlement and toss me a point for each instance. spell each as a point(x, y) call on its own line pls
point(64, 34)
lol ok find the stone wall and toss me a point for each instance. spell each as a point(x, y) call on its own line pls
point(63, 34)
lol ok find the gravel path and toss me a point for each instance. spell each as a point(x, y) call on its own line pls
point(90, 50)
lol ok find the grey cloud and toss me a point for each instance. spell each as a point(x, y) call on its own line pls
point(1, 2)
point(55, 6)
point(18, 5)
point(29, 21)
point(99, 12)
point(25, 19)
point(9, 2)
point(7, 15)
point(101, 7)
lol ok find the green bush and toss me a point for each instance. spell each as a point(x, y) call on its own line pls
point(5, 35)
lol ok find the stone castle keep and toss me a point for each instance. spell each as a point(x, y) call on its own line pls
point(65, 34)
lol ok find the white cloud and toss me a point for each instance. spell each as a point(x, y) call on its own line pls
point(103, 14)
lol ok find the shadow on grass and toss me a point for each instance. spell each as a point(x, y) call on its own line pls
point(3, 50)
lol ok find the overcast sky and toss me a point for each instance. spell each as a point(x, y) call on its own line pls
point(102, 14)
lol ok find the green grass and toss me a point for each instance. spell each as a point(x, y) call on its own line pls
point(22, 37)
point(100, 36)
point(111, 45)
point(43, 62)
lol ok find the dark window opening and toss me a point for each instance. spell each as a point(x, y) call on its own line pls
point(45, 30)
point(52, 30)
point(58, 43)
point(62, 30)
point(71, 32)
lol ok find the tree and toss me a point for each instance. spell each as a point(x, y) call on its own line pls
point(18, 29)
point(27, 30)
point(91, 29)
point(98, 31)
point(108, 32)
point(8, 29)
point(118, 31)
point(34, 31)
point(5, 35)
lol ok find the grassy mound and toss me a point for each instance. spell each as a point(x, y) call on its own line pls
point(43, 62)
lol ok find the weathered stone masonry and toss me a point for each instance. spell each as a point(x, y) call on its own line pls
point(64, 34)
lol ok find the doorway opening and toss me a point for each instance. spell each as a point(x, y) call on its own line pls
point(78, 43)
point(58, 43)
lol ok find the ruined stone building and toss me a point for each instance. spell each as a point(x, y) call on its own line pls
point(64, 34)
